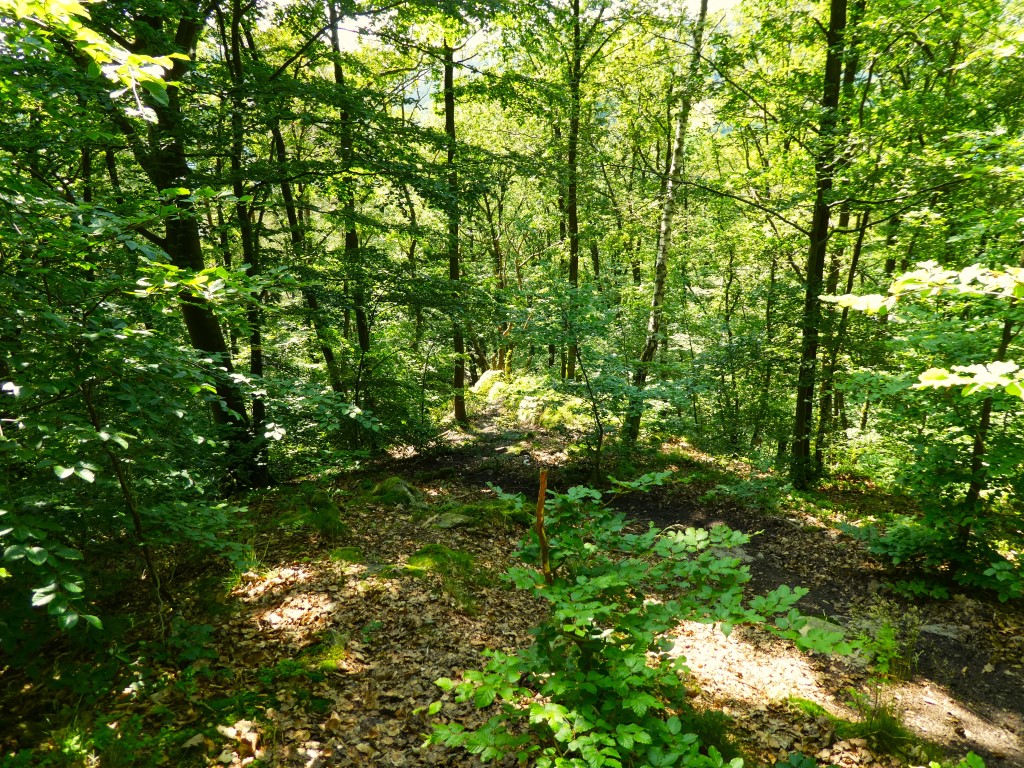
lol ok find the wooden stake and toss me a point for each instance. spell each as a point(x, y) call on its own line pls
point(545, 562)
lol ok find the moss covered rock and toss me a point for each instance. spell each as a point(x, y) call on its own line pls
point(394, 490)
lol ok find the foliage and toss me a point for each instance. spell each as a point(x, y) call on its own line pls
point(927, 544)
point(887, 636)
point(599, 685)
point(930, 279)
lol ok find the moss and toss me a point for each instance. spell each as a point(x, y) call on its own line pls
point(437, 558)
point(348, 555)
point(456, 569)
point(484, 513)
point(327, 655)
point(394, 490)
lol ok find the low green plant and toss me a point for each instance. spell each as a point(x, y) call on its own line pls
point(882, 725)
point(247, 560)
point(108, 741)
point(370, 630)
point(284, 670)
point(798, 760)
point(599, 686)
point(970, 761)
point(888, 638)
point(931, 547)
point(912, 588)
point(760, 493)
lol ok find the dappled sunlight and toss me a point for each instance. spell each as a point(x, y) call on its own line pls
point(742, 668)
point(752, 675)
point(934, 712)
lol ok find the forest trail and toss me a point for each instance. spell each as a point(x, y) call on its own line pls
point(325, 652)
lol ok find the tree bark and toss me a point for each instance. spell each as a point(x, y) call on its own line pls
point(258, 448)
point(802, 470)
point(164, 160)
point(353, 255)
point(572, 184)
point(458, 340)
point(634, 413)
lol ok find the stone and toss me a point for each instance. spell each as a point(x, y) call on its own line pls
point(739, 553)
point(942, 630)
point(448, 520)
point(394, 490)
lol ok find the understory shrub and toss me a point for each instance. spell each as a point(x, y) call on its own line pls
point(931, 546)
point(600, 685)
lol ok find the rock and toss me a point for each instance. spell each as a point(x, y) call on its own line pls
point(394, 490)
point(452, 520)
point(816, 623)
point(738, 553)
point(942, 630)
point(487, 380)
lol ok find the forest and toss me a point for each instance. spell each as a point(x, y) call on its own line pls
point(569, 383)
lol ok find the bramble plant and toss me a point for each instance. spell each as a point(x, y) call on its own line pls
point(599, 686)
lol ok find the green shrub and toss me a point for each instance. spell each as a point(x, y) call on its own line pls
point(599, 685)
point(930, 544)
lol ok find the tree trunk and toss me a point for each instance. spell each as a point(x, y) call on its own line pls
point(353, 255)
point(802, 470)
point(458, 341)
point(258, 448)
point(634, 413)
point(979, 467)
point(572, 185)
point(164, 160)
point(835, 340)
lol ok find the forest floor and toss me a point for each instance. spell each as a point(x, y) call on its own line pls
point(325, 652)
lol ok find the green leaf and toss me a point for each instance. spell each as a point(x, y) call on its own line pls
point(36, 555)
point(158, 91)
point(39, 598)
point(67, 620)
point(484, 697)
point(444, 683)
point(92, 621)
point(63, 472)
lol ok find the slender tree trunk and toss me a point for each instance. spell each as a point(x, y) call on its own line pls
point(494, 218)
point(353, 254)
point(763, 399)
point(802, 471)
point(835, 340)
point(979, 467)
point(296, 233)
point(258, 447)
point(416, 310)
point(572, 185)
point(634, 413)
point(458, 342)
